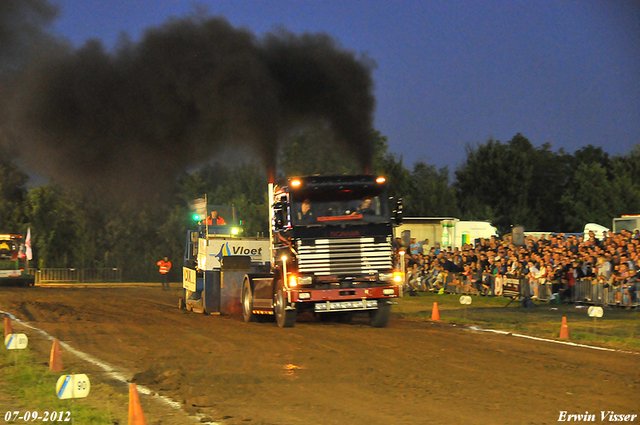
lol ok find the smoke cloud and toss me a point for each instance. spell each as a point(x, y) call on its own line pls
point(22, 31)
point(131, 120)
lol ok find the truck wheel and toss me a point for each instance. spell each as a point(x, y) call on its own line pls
point(380, 317)
point(247, 302)
point(285, 318)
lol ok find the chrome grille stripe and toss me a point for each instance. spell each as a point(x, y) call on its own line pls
point(344, 256)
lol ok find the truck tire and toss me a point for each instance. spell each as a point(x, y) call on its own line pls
point(380, 317)
point(247, 302)
point(285, 318)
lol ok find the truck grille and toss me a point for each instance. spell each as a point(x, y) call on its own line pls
point(344, 256)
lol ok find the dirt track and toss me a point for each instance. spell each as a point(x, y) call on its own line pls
point(325, 373)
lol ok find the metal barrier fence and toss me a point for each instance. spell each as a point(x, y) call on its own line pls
point(77, 275)
point(585, 291)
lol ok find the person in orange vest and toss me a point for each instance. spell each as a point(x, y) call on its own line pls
point(165, 266)
point(214, 220)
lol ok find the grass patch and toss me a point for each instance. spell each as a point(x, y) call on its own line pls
point(31, 387)
point(618, 328)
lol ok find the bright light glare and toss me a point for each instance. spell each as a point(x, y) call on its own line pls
point(381, 180)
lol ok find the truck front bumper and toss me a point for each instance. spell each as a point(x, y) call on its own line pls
point(325, 300)
point(320, 307)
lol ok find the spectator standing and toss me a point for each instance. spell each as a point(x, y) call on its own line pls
point(425, 246)
point(165, 266)
point(415, 248)
point(632, 287)
point(476, 277)
point(533, 280)
point(501, 276)
point(628, 288)
point(568, 293)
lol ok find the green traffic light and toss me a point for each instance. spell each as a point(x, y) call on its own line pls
point(196, 217)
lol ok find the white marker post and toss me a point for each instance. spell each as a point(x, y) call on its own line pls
point(16, 342)
point(595, 312)
point(73, 386)
point(465, 300)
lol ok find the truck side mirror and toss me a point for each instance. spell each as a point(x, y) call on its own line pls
point(278, 216)
point(397, 212)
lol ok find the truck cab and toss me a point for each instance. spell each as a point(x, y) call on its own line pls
point(13, 261)
point(331, 250)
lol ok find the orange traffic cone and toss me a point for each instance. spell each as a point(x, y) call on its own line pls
point(7, 327)
point(55, 359)
point(136, 416)
point(564, 329)
point(435, 314)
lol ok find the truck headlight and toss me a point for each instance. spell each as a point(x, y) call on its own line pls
point(299, 280)
point(386, 277)
point(305, 280)
point(396, 277)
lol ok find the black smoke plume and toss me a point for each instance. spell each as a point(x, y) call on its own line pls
point(23, 25)
point(131, 120)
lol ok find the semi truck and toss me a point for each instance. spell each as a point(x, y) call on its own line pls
point(13, 261)
point(329, 253)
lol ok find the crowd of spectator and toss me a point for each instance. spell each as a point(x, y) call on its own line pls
point(545, 267)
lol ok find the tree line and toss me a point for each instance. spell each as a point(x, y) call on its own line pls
point(509, 183)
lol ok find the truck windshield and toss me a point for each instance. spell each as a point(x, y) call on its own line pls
point(9, 252)
point(8, 249)
point(340, 208)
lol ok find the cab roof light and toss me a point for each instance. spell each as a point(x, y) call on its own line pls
point(380, 180)
point(295, 183)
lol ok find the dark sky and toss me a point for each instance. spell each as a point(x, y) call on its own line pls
point(449, 73)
